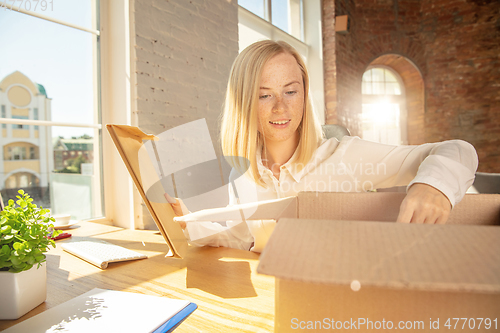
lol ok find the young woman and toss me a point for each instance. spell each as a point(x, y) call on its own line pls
point(269, 121)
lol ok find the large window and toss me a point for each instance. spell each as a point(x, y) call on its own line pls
point(49, 81)
point(284, 14)
point(383, 107)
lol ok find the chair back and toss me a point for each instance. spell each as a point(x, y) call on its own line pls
point(335, 131)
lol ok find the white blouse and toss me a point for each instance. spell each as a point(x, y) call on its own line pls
point(352, 165)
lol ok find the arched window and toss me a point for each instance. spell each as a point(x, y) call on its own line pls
point(383, 106)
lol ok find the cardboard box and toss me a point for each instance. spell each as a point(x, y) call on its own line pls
point(335, 270)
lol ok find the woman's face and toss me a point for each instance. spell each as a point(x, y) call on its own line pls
point(281, 99)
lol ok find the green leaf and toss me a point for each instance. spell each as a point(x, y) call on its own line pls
point(21, 192)
point(6, 229)
point(39, 257)
point(20, 267)
point(30, 260)
point(15, 261)
point(6, 249)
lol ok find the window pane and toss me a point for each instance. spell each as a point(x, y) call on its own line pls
point(378, 88)
point(384, 82)
point(392, 88)
point(63, 176)
point(280, 14)
point(255, 6)
point(381, 123)
point(366, 88)
point(378, 75)
point(367, 76)
point(43, 58)
point(71, 11)
point(389, 77)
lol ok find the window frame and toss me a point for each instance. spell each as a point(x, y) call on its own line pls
point(23, 123)
point(395, 99)
point(268, 16)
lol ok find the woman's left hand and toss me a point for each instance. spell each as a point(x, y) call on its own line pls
point(178, 207)
point(424, 204)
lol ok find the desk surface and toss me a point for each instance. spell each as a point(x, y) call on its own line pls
point(230, 295)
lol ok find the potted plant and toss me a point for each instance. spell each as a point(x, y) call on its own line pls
point(26, 233)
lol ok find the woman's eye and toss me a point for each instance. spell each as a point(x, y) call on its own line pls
point(263, 96)
point(293, 92)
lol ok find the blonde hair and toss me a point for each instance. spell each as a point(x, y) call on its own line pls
point(240, 137)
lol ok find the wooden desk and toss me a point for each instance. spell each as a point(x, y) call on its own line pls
point(230, 295)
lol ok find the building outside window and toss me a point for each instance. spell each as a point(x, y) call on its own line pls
point(18, 153)
point(35, 116)
point(32, 153)
point(18, 126)
point(4, 115)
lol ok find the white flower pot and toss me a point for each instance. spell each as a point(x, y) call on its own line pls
point(22, 292)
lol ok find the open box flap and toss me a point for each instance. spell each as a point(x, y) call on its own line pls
point(129, 143)
point(477, 209)
point(413, 256)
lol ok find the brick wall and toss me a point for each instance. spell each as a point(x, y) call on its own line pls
point(463, 55)
point(183, 54)
point(454, 44)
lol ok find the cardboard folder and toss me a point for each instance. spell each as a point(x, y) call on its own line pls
point(129, 142)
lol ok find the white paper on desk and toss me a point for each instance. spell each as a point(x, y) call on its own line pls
point(104, 311)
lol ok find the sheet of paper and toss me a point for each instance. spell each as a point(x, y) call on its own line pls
point(104, 311)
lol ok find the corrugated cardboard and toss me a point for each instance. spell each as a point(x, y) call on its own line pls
point(482, 209)
point(407, 274)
